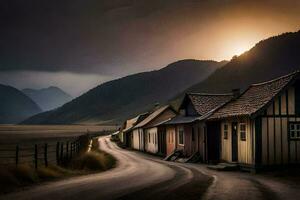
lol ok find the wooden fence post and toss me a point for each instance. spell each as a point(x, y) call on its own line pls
point(46, 154)
point(17, 155)
point(61, 152)
point(67, 150)
point(57, 153)
point(71, 151)
point(35, 156)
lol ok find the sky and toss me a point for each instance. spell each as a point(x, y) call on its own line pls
point(78, 44)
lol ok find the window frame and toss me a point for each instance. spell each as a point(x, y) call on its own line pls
point(296, 130)
point(225, 136)
point(245, 132)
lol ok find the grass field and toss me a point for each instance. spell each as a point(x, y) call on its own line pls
point(25, 137)
point(33, 133)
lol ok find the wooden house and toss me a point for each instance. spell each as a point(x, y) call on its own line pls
point(186, 131)
point(148, 135)
point(127, 134)
point(260, 128)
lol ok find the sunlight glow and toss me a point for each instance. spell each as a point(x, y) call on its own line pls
point(239, 49)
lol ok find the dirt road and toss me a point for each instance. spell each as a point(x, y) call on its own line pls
point(141, 176)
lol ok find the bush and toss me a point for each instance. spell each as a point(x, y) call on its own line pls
point(93, 161)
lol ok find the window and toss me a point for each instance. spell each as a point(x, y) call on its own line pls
point(243, 132)
point(225, 131)
point(149, 138)
point(180, 137)
point(294, 131)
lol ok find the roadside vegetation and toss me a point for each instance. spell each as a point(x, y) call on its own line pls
point(90, 160)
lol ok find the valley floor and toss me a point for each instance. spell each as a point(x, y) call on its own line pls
point(141, 176)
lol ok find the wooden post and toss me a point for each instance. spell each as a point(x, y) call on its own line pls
point(46, 154)
point(35, 156)
point(76, 146)
point(61, 152)
point(17, 155)
point(57, 153)
point(71, 150)
point(67, 150)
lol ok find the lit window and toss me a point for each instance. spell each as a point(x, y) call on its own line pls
point(243, 132)
point(225, 131)
point(180, 137)
point(294, 131)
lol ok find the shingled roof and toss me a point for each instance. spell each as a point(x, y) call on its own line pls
point(152, 116)
point(255, 98)
point(203, 103)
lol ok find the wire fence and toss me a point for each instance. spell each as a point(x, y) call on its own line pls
point(43, 153)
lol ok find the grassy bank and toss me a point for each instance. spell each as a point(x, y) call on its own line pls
point(17, 177)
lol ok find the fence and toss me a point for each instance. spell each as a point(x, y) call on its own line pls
point(38, 154)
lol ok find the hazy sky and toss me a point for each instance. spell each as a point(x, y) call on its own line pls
point(77, 44)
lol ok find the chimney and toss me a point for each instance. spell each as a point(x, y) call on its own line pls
point(236, 93)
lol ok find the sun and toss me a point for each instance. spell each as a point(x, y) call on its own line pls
point(239, 49)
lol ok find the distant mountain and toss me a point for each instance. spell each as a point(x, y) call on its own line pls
point(124, 97)
point(48, 98)
point(268, 59)
point(15, 106)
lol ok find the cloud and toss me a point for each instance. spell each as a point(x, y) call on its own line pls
point(119, 37)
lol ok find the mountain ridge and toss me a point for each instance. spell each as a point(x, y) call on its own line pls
point(268, 59)
point(48, 98)
point(126, 96)
point(15, 106)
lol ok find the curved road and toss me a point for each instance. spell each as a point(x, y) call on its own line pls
point(141, 176)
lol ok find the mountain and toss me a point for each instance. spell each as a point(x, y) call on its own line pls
point(118, 99)
point(268, 59)
point(15, 106)
point(48, 98)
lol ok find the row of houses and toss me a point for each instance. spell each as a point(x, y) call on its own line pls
point(257, 128)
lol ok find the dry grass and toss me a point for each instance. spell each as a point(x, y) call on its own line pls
point(12, 133)
point(12, 177)
point(93, 161)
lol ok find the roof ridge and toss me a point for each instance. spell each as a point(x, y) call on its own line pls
point(275, 79)
point(210, 94)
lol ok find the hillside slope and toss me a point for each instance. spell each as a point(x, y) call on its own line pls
point(268, 59)
point(125, 97)
point(48, 98)
point(15, 106)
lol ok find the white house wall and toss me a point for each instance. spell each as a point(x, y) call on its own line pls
point(151, 140)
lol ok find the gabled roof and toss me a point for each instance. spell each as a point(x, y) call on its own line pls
point(152, 116)
point(255, 98)
point(130, 123)
point(203, 103)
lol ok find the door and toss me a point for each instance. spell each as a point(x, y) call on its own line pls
point(234, 142)
point(162, 141)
